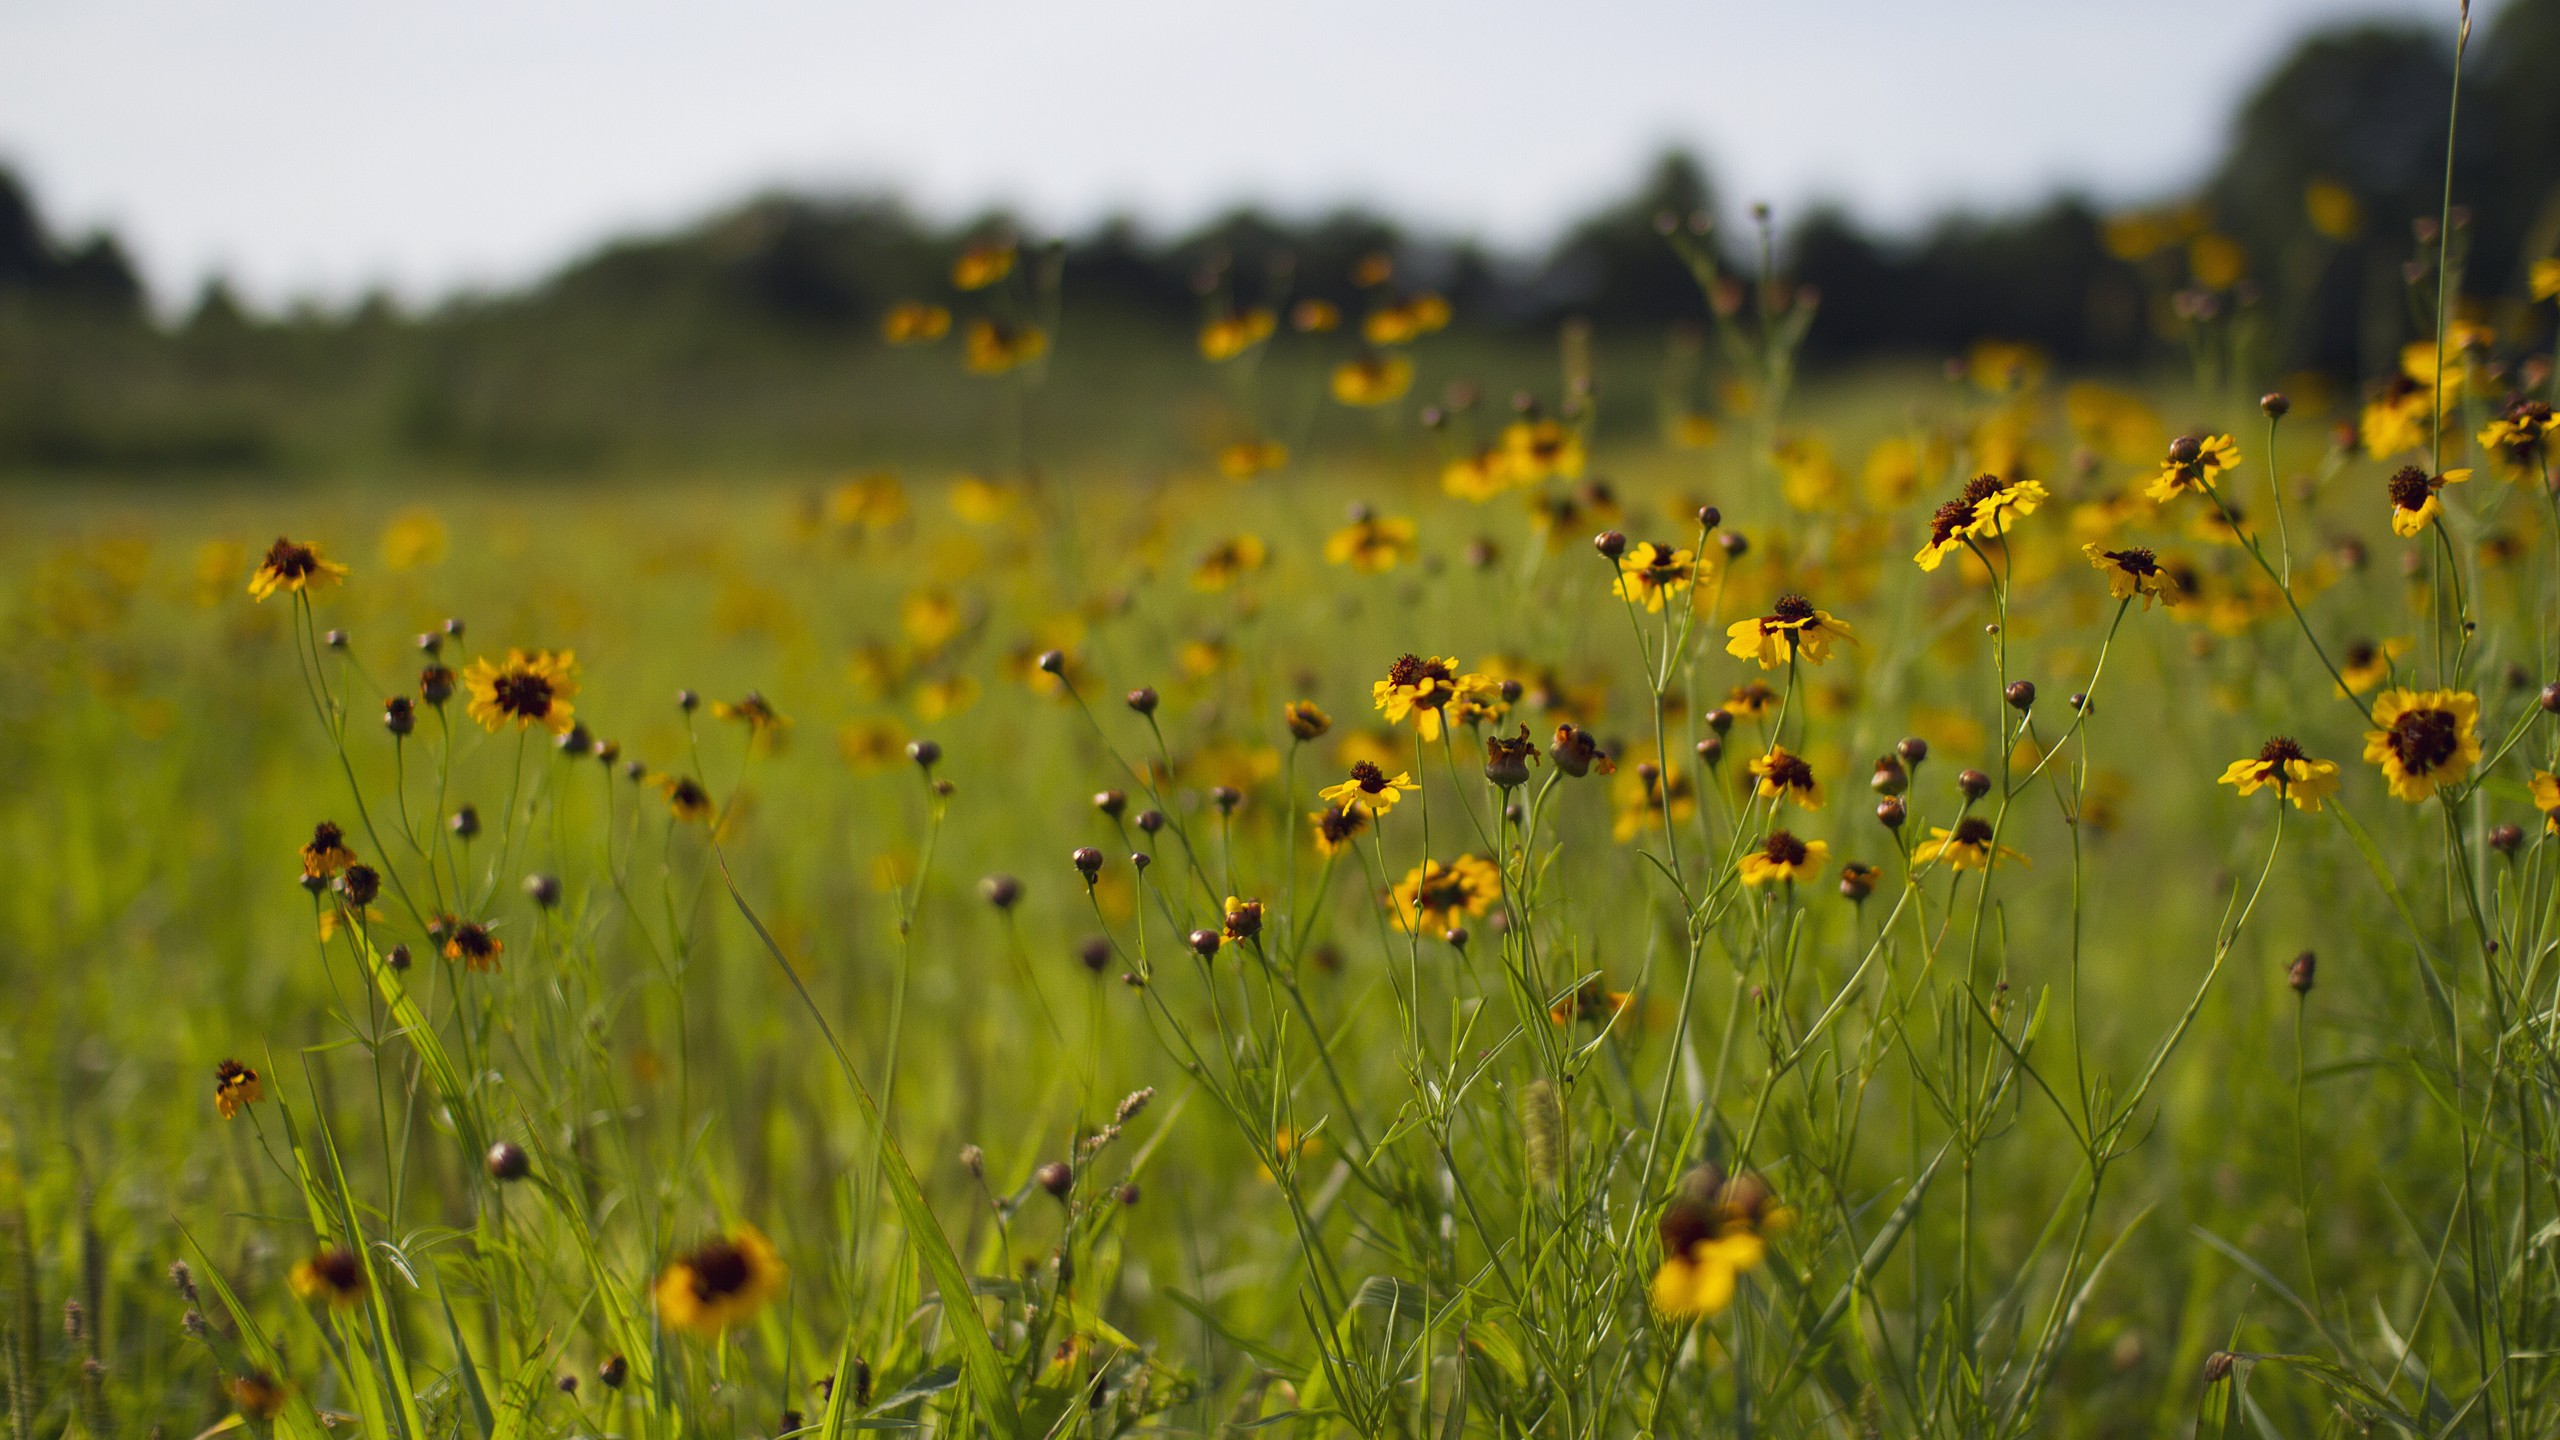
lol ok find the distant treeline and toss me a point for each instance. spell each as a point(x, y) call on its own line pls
point(2310, 226)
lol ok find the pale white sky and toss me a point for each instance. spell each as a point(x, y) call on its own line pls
point(318, 147)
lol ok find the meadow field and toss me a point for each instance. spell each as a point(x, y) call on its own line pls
point(1982, 902)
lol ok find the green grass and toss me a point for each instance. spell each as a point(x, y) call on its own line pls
point(1927, 1080)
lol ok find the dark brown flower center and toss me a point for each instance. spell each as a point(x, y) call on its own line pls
point(2424, 739)
point(720, 1270)
point(2279, 752)
point(2410, 488)
point(1792, 610)
point(1973, 830)
point(521, 692)
point(327, 836)
point(1784, 849)
point(2136, 561)
point(1368, 776)
point(689, 794)
point(1950, 519)
point(290, 560)
point(339, 1269)
point(1788, 772)
point(472, 939)
point(1407, 671)
point(1337, 826)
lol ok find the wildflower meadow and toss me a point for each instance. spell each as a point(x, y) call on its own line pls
point(1981, 900)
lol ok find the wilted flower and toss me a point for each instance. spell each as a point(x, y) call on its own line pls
point(235, 1088)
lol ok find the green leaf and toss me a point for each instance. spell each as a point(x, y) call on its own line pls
point(988, 1385)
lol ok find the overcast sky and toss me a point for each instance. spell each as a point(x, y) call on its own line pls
point(320, 147)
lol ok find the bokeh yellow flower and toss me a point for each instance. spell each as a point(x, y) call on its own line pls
point(719, 1283)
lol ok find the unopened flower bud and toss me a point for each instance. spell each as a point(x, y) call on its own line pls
point(1053, 662)
point(1709, 517)
point(1889, 778)
point(1002, 890)
point(2021, 694)
point(2302, 972)
point(613, 1371)
point(1912, 749)
point(2276, 403)
point(926, 753)
point(1890, 812)
point(1056, 1177)
point(1150, 821)
point(1711, 750)
point(1973, 783)
point(1143, 700)
point(507, 1161)
point(1720, 720)
point(2506, 839)
point(542, 889)
point(688, 700)
point(1204, 943)
point(1227, 798)
point(1088, 862)
point(1610, 543)
point(1110, 802)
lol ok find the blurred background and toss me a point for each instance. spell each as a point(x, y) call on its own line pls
point(304, 241)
